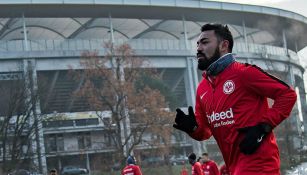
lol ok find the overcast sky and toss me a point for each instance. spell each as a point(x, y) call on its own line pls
point(297, 6)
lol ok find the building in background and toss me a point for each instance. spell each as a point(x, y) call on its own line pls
point(49, 36)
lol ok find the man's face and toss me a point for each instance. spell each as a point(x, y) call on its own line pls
point(191, 161)
point(207, 49)
point(205, 158)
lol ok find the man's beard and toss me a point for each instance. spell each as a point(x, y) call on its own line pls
point(205, 62)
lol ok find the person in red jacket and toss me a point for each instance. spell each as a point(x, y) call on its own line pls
point(232, 106)
point(131, 168)
point(224, 170)
point(209, 166)
point(196, 166)
point(184, 170)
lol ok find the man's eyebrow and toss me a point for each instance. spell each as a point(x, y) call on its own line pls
point(202, 40)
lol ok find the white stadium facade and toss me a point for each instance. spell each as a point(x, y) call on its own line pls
point(50, 35)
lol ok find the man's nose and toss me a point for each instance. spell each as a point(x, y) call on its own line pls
point(199, 51)
point(198, 48)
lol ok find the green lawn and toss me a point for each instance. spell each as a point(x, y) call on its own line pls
point(163, 170)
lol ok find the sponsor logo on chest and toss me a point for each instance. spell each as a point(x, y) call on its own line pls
point(220, 116)
point(221, 119)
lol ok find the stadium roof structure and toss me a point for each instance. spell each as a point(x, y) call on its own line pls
point(78, 19)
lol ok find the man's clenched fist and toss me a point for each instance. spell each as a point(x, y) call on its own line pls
point(254, 135)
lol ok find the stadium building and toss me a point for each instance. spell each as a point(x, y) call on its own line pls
point(49, 37)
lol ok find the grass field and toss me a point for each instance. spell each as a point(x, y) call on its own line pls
point(162, 170)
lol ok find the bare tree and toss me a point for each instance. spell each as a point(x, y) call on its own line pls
point(114, 83)
point(16, 128)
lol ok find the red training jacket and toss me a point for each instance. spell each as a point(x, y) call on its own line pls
point(131, 170)
point(224, 170)
point(196, 169)
point(237, 98)
point(210, 168)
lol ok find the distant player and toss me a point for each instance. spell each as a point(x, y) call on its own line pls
point(184, 170)
point(209, 166)
point(131, 168)
point(53, 172)
point(196, 166)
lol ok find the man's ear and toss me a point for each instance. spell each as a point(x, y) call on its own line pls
point(224, 46)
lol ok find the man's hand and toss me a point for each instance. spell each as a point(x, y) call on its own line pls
point(254, 135)
point(186, 123)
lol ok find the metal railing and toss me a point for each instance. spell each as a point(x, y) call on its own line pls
point(71, 123)
point(137, 44)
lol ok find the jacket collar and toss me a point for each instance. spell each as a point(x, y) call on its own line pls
point(220, 64)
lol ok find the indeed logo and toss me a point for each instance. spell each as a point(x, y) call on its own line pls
point(220, 116)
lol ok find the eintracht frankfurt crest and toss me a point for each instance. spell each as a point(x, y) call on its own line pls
point(229, 87)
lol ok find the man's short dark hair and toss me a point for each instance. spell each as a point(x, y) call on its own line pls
point(192, 156)
point(53, 171)
point(205, 154)
point(222, 32)
point(131, 160)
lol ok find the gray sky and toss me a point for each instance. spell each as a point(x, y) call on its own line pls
point(297, 6)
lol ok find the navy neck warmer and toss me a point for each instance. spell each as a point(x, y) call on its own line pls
point(220, 64)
